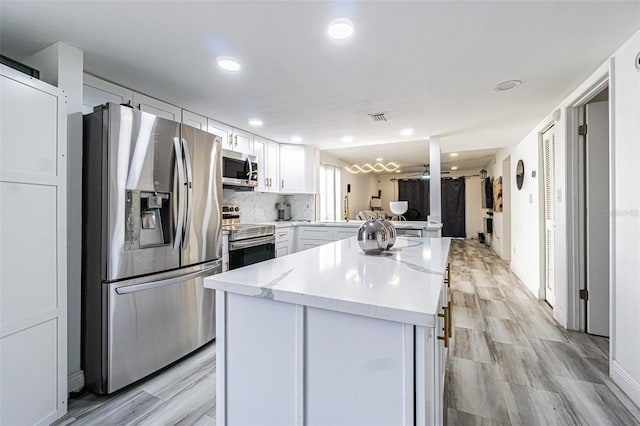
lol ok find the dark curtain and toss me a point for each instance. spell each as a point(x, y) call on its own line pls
point(416, 192)
point(453, 204)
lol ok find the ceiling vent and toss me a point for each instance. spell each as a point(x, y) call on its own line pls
point(378, 116)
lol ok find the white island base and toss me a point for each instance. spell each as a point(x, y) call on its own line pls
point(285, 363)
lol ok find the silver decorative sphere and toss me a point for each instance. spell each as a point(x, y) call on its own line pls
point(372, 237)
point(391, 230)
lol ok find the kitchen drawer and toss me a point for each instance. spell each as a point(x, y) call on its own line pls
point(283, 234)
point(315, 233)
point(342, 233)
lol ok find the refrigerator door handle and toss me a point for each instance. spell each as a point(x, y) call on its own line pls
point(179, 163)
point(174, 280)
point(187, 156)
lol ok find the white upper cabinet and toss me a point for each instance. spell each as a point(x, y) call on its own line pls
point(267, 153)
point(221, 130)
point(194, 120)
point(298, 169)
point(99, 92)
point(156, 107)
point(242, 141)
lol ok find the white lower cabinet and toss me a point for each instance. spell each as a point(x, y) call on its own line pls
point(33, 250)
point(313, 236)
point(284, 241)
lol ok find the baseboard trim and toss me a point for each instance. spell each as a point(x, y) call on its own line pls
point(520, 276)
point(630, 387)
point(75, 381)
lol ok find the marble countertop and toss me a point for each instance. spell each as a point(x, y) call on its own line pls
point(401, 285)
point(417, 224)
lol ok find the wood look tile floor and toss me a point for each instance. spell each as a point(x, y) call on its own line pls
point(509, 363)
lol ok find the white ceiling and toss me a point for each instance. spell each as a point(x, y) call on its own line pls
point(431, 65)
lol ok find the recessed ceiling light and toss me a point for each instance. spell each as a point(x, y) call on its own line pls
point(454, 167)
point(340, 29)
point(379, 159)
point(347, 139)
point(406, 132)
point(507, 85)
point(255, 122)
point(228, 64)
point(454, 154)
point(296, 139)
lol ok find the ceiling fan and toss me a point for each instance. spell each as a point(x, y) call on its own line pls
point(425, 174)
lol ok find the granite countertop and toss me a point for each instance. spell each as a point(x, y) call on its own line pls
point(401, 285)
point(417, 224)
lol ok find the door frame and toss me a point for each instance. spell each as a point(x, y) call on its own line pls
point(576, 319)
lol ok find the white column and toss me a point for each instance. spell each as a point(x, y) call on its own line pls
point(61, 65)
point(435, 199)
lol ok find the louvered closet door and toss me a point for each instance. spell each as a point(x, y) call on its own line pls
point(548, 141)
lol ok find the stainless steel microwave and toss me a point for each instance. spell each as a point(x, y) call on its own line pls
point(239, 169)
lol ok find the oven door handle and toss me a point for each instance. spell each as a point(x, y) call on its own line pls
point(253, 242)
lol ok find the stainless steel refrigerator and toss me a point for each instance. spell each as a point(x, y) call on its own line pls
point(152, 192)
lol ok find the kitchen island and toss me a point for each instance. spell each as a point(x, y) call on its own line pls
point(332, 336)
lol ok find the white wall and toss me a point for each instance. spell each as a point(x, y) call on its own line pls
point(363, 186)
point(625, 363)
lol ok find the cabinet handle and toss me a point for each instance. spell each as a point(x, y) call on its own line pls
point(449, 313)
point(282, 183)
point(236, 140)
point(446, 326)
point(140, 107)
point(449, 275)
point(129, 102)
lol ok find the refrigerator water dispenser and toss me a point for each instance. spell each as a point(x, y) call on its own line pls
point(148, 220)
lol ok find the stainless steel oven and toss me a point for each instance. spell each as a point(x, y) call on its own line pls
point(251, 250)
point(239, 169)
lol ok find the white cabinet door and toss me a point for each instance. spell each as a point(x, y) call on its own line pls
point(156, 107)
point(194, 120)
point(268, 155)
point(221, 130)
point(282, 249)
point(242, 141)
point(33, 250)
point(298, 169)
point(272, 165)
point(291, 168)
point(260, 151)
point(98, 92)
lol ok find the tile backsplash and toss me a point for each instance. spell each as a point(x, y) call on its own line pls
point(256, 207)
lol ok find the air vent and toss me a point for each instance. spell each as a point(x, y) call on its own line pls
point(378, 116)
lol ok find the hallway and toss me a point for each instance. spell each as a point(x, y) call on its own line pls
point(511, 363)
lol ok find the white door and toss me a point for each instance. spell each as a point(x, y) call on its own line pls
point(260, 151)
point(242, 141)
point(548, 146)
point(597, 217)
point(272, 165)
point(292, 164)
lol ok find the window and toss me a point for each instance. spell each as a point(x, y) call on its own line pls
point(329, 192)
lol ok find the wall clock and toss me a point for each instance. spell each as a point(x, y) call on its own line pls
point(520, 174)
